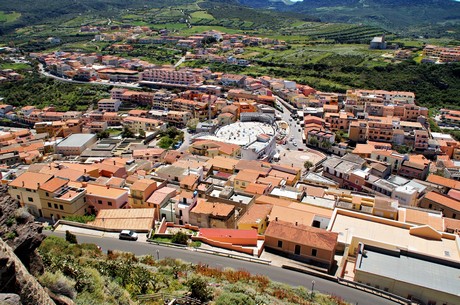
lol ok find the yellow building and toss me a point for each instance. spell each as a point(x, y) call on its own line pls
point(256, 217)
point(61, 198)
point(140, 191)
point(25, 189)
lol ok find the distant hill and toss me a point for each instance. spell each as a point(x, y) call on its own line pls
point(393, 15)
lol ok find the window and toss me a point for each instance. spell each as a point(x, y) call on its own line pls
point(314, 252)
point(49, 204)
point(18, 197)
point(297, 250)
point(84, 199)
point(280, 243)
point(99, 201)
point(55, 206)
point(47, 194)
point(61, 207)
point(454, 215)
point(30, 199)
point(430, 206)
point(109, 203)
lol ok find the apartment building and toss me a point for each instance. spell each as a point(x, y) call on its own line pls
point(25, 189)
point(135, 124)
point(61, 198)
point(338, 121)
point(450, 117)
point(110, 105)
point(361, 96)
point(101, 197)
point(169, 76)
point(380, 129)
point(140, 191)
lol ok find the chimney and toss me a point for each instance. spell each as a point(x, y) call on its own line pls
point(114, 163)
point(108, 186)
point(84, 170)
point(296, 223)
point(22, 183)
point(276, 218)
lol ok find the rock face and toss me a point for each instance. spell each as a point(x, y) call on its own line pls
point(17, 279)
point(10, 299)
point(20, 232)
point(20, 237)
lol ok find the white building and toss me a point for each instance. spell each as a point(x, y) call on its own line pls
point(75, 144)
point(109, 104)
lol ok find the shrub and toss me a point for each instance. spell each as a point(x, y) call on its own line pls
point(10, 221)
point(10, 235)
point(58, 283)
point(71, 238)
point(228, 298)
point(180, 238)
point(199, 289)
point(81, 218)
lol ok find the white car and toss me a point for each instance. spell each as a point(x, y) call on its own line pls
point(128, 235)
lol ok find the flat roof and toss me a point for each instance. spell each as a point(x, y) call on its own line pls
point(76, 140)
point(384, 231)
point(409, 268)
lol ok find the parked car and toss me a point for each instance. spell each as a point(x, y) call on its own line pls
point(128, 235)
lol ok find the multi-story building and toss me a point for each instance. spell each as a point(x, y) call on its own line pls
point(338, 121)
point(61, 198)
point(25, 189)
point(105, 197)
point(357, 132)
point(109, 104)
point(169, 76)
point(135, 124)
point(140, 191)
point(380, 129)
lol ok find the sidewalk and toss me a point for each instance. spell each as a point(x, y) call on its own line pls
point(77, 230)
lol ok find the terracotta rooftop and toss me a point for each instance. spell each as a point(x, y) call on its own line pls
point(449, 183)
point(303, 235)
point(30, 180)
point(125, 219)
point(104, 191)
point(255, 212)
point(213, 208)
point(53, 184)
point(443, 200)
point(256, 188)
point(247, 175)
point(142, 184)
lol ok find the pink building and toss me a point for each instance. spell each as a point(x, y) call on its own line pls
point(105, 197)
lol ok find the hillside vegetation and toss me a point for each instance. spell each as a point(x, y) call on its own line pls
point(87, 276)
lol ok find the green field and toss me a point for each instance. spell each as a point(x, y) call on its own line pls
point(8, 17)
point(201, 15)
point(15, 66)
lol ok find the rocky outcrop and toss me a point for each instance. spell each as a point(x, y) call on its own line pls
point(20, 237)
point(16, 278)
point(10, 299)
point(21, 233)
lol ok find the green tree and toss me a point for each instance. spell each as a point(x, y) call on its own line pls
point(191, 124)
point(103, 134)
point(313, 141)
point(127, 133)
point(180, 238)
point(165, 142)
point(199, 289)
point(326, 144)
point(307, 165)
point(142, 134)
point(71, 238)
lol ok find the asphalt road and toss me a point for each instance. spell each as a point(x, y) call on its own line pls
point(274, 273)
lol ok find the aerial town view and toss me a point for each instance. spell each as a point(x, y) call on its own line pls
point(230, 152)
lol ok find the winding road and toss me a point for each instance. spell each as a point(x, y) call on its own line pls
point(277, 274)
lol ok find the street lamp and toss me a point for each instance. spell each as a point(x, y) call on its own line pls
point(158, 254)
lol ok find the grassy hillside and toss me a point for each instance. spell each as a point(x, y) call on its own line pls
point(424, 17)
